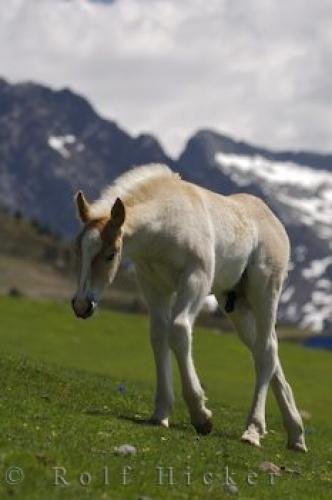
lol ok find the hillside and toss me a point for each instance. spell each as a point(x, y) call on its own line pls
point(33, 262)
point(38, 264)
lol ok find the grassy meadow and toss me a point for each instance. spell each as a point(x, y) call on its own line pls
point(72, 391)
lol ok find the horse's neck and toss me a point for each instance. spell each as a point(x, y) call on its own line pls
point(136, 229)
point(132, 245)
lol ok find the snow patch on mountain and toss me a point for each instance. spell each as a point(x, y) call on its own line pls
point(323, 283)
point(287, 294)
point(306, 193)
point(317, 312)
point(60, 142)
point(317, 268)
point(282, 173)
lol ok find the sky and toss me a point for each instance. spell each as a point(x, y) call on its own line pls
point(258, 70)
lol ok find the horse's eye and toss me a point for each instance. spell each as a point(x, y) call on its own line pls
point(110, 257)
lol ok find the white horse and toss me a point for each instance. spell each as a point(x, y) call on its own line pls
point(187, 242)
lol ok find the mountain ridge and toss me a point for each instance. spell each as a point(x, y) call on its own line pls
point(310, 158)
point(40, 127)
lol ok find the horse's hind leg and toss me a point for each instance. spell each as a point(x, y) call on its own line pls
point(262, 293)
point(290, 414)
point(244, 321)
point(264, 298)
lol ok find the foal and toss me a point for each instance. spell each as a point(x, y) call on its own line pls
point(186, 242)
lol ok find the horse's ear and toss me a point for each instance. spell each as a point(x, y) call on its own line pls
point(118, 213)
point(83, 206)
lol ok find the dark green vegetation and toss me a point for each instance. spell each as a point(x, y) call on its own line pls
point(38, 264)
point(28, 239)
point(73, 390)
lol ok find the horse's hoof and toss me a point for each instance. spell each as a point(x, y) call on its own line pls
point(251, 437)
point(298, 446)
point(162, 422)
point(204, 428)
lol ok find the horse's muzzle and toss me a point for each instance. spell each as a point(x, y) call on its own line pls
point(84, 313)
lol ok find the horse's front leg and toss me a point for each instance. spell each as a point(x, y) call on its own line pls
point(159, 307)
point(192, 291)
point(164, 396)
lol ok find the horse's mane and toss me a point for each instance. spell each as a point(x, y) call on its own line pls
point(126, 184)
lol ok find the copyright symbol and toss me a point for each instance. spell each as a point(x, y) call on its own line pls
point(14, 475)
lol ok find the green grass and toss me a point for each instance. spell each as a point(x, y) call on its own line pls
point(61, 406)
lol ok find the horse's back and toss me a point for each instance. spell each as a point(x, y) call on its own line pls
point(246, 230)
point(273, 246)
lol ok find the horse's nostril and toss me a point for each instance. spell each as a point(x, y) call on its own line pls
point(90, 307)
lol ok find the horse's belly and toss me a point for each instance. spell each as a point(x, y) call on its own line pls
point(228, 273)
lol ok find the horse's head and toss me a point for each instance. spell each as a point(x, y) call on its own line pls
point(99, 247)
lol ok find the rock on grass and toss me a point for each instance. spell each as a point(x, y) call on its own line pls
point(125, 449)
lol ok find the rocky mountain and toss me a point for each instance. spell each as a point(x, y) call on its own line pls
point(53, 142)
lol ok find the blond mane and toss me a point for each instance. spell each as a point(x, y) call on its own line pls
point(126, 184)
